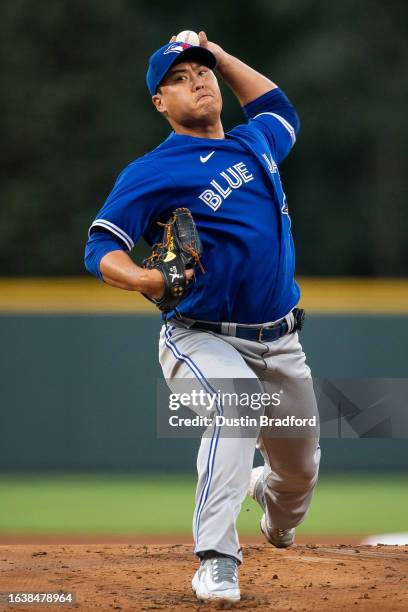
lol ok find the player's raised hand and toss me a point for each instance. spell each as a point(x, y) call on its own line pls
point(218, 51)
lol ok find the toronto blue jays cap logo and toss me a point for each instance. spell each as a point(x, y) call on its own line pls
point(177, 47)
point(163, 59)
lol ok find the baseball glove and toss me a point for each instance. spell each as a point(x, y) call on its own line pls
point(180, 250)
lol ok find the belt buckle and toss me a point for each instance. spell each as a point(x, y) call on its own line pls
point(261, 332)
point(263, 329)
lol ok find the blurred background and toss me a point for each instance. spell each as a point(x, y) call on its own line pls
point(79, 452)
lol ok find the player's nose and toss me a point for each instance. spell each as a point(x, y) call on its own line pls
point(197, 84)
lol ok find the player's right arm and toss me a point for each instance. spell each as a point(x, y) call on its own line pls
point(106, 259)
point(264, 103)
point(246, 83)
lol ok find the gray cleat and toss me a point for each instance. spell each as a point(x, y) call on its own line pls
point(280, 538)
point(217, 579)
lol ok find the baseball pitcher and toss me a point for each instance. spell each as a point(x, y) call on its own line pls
point(222, 273)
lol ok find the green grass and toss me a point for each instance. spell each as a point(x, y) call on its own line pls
point(164, 504)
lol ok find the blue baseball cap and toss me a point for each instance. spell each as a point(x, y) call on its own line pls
point(173, 53)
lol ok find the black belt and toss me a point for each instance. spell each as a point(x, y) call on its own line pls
point(258, 333)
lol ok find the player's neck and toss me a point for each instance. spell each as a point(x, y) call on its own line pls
point(201, 131)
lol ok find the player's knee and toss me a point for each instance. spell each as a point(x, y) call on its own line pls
point(299, 474)
point(308, 473)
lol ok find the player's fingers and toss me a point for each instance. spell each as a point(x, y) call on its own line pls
point(189, 275)
point(202, 37)
point(172, 39)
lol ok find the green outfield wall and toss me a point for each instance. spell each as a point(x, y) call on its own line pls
point(78, 391)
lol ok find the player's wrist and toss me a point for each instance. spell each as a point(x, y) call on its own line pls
point(225, 62)
point(151, 283)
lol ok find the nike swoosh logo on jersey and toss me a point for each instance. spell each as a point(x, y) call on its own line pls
point(205, 159)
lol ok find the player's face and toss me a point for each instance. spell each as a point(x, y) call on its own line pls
point(189, 95)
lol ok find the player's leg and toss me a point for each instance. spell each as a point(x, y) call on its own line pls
point(224, 463)
point(286, 485)
point(291, 463)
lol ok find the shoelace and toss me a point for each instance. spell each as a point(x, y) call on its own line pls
point(224, 569)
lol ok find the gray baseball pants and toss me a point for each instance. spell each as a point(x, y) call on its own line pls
point(224, 464)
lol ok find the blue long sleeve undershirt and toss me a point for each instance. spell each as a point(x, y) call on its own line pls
point(99, 244)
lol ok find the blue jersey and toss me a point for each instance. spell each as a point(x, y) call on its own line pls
point(233, 189)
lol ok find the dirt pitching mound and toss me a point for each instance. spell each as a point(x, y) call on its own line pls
point(147, 577)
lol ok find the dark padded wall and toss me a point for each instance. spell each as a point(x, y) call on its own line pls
point(78, 391)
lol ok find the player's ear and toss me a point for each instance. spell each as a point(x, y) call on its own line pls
point(158, 102)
